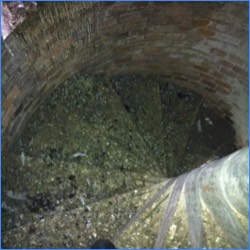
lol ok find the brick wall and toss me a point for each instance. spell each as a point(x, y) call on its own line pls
point(200, 45)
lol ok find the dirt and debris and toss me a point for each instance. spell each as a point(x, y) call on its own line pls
point(95, 151)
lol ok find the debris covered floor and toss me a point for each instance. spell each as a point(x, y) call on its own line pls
point(93, 154)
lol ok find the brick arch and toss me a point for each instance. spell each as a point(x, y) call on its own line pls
point(202, 46)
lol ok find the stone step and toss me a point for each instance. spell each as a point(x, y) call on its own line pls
point(140, 96)
point(179, 111)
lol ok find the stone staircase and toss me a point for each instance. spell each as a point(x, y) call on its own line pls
point(99, 160)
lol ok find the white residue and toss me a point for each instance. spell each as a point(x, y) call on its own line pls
point(88, 208)
point(78, 154)
point(198, 124)
point(17, 196)
point(82, 200)
point(88, 182)
point(22, 158)
point(8, 46)
point(207, 119)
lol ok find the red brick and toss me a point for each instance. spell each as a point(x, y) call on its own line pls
point(181, 78)
point(119, 6)
point(7, 117)
point(209, 83)
point(217, 52)
point(134, 39)
point(226, 63)
point(138, 5)
point(223, 84)
point(138, 57)
point(200, 23)
point(157, 67)
point(236, 60)
point(130, 16)
point(121, 49)
point(161, 20)
point(201, 68)
point(6, 57)
point(154, 37)
point(227, 72)
point(212, 90)
point(134, 25)
point(138, 32)
point(109, 22)
point(240, 71)
point(217, 74)
point(25, 66)
point(159, 4)
point(223, 90)
point(193, 77)
point(11, 96)
point(122, 60)
point(243, 81)
point(180, 11)
point(207, 33)
point(106, 4)
point(153, 50)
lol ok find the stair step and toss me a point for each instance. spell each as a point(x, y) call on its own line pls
point(141, 98)
point(179, 110)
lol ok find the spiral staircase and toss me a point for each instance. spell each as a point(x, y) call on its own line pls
point(99, 159)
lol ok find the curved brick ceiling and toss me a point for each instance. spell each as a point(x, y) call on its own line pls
point(200, 45)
